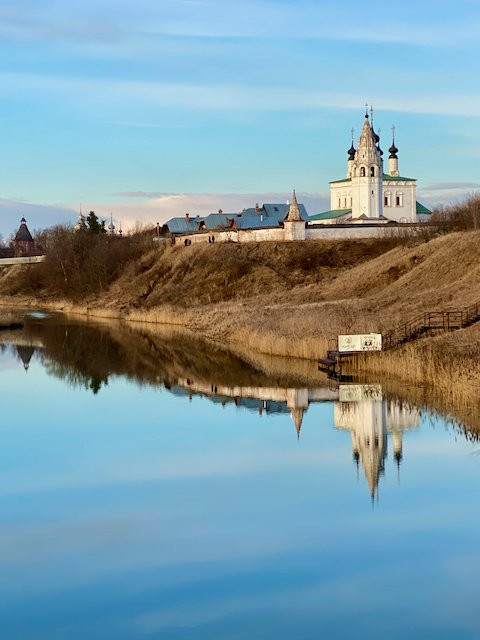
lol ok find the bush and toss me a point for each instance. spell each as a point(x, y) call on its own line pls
point(462, 216)
point(81, 263)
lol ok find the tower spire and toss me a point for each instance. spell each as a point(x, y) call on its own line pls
point(393, 157)
point(294, 211)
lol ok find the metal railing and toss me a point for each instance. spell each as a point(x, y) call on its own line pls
point(431, 321)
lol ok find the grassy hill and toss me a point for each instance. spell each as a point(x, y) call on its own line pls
point(279, 298)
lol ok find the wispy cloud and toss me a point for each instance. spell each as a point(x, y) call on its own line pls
point(451, 186)
point(101, 94)
point(153, 207)
point(38, 215)
point(90, 20)
point(141, 194)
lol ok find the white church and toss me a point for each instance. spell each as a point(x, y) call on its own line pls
point(364, 204)
point(368, 194)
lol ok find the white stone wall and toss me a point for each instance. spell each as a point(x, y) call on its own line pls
point(358, 196)
point(242, 235)
point(367, 196)
point(318, 232)
point(357, 232)
point(341, 195)
point(294, 230)
point(407, 192)
point(261, 235)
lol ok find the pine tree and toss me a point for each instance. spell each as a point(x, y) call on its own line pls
point(93, 224)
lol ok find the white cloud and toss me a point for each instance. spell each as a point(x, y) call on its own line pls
point(116, 23)
point(37, 215)
point(152, 207)
point(102, 95)
point(145, 207)
point(450, 186)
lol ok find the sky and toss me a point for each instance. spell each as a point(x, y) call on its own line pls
point(159, 107)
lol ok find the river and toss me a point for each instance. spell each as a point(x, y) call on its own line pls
point(157, 487)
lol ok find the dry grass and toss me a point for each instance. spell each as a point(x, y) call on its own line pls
point(289, 299)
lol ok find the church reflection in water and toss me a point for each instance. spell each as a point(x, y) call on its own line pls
point(359, 408)
point(371, 417)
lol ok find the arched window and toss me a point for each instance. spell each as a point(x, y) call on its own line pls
point(339, 203)
point(362, 172)
point(399, 199)
point(387, 199)
point(372, 171)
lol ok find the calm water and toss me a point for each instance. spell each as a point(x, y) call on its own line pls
point(155, 489)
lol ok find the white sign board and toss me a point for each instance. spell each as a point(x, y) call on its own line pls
point(365, 342)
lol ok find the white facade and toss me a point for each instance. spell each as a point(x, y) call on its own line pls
point(367, 193)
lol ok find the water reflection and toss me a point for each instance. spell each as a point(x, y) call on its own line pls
point(369, 416)
point(89, 355)
point(154, 486)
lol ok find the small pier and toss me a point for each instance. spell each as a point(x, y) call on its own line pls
point(424, 325)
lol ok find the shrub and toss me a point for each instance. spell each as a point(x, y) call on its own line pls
point(80, 263)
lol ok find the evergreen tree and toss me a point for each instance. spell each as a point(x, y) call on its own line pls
point(93, 223)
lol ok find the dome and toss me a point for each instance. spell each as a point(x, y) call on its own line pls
point(351, 152)
point(393, 150)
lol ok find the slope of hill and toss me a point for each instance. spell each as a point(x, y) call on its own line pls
point(281, 298)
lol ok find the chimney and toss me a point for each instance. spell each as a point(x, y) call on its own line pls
point(220, 211)
point(187, 217)
point(257, 208)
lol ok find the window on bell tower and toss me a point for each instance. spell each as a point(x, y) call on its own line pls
point(372, 171)
point(362, 172)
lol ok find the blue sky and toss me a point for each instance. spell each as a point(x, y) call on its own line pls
point(152, 109)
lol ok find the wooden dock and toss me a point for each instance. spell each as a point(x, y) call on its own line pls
point(424, 325)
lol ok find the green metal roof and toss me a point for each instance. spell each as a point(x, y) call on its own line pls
point(385, 177)
point(422, 209)
point(336, 213)
point(398, 178)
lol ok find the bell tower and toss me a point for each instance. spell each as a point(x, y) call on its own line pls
point(367, 174)
point(393, 157)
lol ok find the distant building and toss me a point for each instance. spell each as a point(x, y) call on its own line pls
point(80, 224)
point(23, 243)
point(367, 194)
point(367, 203)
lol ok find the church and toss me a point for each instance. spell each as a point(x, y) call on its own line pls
point(369, 195)
point(367, 203)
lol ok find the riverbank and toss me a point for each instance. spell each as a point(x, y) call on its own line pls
point(292, 299)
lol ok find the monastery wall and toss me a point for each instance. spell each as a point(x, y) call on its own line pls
point(354, 232)
point(317, 232)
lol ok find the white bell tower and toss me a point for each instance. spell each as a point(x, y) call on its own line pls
point(367, 175)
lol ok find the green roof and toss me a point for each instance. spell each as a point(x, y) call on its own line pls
point(385, 177)
point(398, 178)
point(422, 209)
point(336, 213)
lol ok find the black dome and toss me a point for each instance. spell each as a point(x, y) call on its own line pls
point(393, 151)
point(351, 152)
